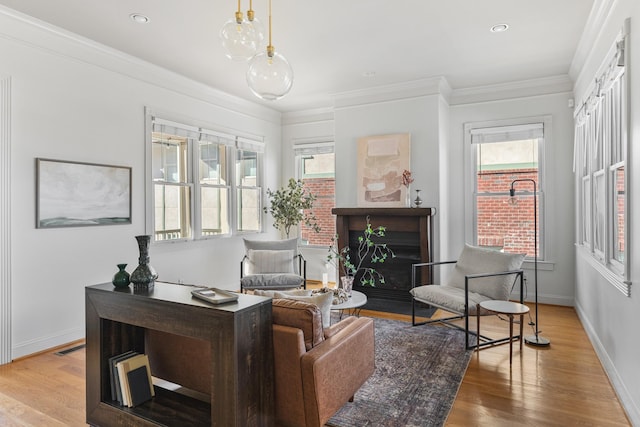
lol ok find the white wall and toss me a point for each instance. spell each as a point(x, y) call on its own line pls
point(77, 101)
point(610, 318)
point(555, 277)
point(416, 116)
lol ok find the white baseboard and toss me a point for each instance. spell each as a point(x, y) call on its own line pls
point(43, 343)
point(630, 408)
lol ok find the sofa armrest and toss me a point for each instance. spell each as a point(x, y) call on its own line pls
point(288, 347)
point(333, 371)
point(337, 327)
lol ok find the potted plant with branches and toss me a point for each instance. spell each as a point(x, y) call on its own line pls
point(368, 250)
point(290, 206)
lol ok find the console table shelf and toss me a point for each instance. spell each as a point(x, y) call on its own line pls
point(238, 335)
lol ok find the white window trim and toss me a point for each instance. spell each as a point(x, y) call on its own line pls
point(545, 173)
point(315, 145)
point(616, 273)
point(236, 140)
point(247, 145)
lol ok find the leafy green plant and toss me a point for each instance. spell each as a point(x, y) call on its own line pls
point(290, 206)
point(368, 250)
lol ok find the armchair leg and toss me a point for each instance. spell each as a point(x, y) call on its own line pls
point(351, 398)
point(447, 322)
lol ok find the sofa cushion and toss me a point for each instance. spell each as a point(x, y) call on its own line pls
point(448, 298)
point(269, 262)
point(272, 293)
point(476, 260)
point(272, 281)
point(301, 315)
point(322, 300)
point(274, 245)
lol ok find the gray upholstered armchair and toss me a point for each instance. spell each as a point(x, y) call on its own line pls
point(272, 264)
point(478, 275)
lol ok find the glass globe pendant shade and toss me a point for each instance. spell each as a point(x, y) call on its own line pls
point(269, 75)
point(239, 39)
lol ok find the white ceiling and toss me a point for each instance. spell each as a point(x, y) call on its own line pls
point(331, 44)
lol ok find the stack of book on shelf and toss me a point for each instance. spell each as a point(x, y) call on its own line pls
point(130, 378)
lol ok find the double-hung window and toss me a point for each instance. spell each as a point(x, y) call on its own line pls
point(600, 160)
point(193, 192)
point(248, 189)
point(505, 157)
point(315, 167)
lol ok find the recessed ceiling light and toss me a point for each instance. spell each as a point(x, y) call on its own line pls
point(499, 28)
point(139, 18)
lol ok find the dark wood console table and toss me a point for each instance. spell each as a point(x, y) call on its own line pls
point(409, 233)
point(239, 335)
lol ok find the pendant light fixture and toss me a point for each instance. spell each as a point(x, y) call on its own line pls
point(269, 75)
point(239, 38)
point(258, 28)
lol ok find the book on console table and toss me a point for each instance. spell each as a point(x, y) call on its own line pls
point(139, 386)
point(124, 367)
point(116, 390)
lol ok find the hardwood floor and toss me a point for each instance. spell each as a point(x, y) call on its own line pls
point(562, 385)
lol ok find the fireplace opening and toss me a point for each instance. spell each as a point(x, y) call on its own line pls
point(396, 270)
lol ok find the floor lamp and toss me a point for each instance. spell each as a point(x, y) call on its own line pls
point(535, 339)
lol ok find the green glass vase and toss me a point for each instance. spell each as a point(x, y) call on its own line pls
point(121, 279)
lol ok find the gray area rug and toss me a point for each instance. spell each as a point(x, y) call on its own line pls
point(418, 372)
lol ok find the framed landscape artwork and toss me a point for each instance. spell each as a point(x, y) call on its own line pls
point(75, 194)
point(381, 161)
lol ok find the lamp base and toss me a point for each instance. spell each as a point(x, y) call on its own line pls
point(537, 340)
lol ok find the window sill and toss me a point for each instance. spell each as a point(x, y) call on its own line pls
point(542, 265)
point(615, 279)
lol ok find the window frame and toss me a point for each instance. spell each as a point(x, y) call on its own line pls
point(602, 147)
point(237, 188)
point(309, 146)
point(195, 135)
point(545, 254)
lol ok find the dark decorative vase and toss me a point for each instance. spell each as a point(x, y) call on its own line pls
point(418, 200)
point(121, 279)
point(144, 276)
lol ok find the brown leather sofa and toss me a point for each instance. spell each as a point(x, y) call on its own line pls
point(317, 370)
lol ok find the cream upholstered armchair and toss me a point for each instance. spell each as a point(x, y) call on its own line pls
point(272, 264)
point(478, 275)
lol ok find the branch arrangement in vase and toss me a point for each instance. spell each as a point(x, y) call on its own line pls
point(290, 206)
point(368, 250)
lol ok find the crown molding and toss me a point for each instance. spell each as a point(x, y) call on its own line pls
point(316, 115)
point(592, 31)
point(511, 90)
point(393, 92)
point(37, 34)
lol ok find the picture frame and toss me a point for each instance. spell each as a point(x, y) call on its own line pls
point(381, 161)
point(79, 194)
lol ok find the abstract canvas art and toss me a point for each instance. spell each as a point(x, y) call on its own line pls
point(75, 194)
point(381, 161)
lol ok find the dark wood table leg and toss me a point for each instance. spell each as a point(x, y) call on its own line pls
point(510, 339)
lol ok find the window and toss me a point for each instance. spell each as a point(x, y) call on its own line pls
point(248, 191)
point(315, 166)
point(506, 157)
point(214, 188)
point(600, 154)
point(172, 186)
point(192, 187)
